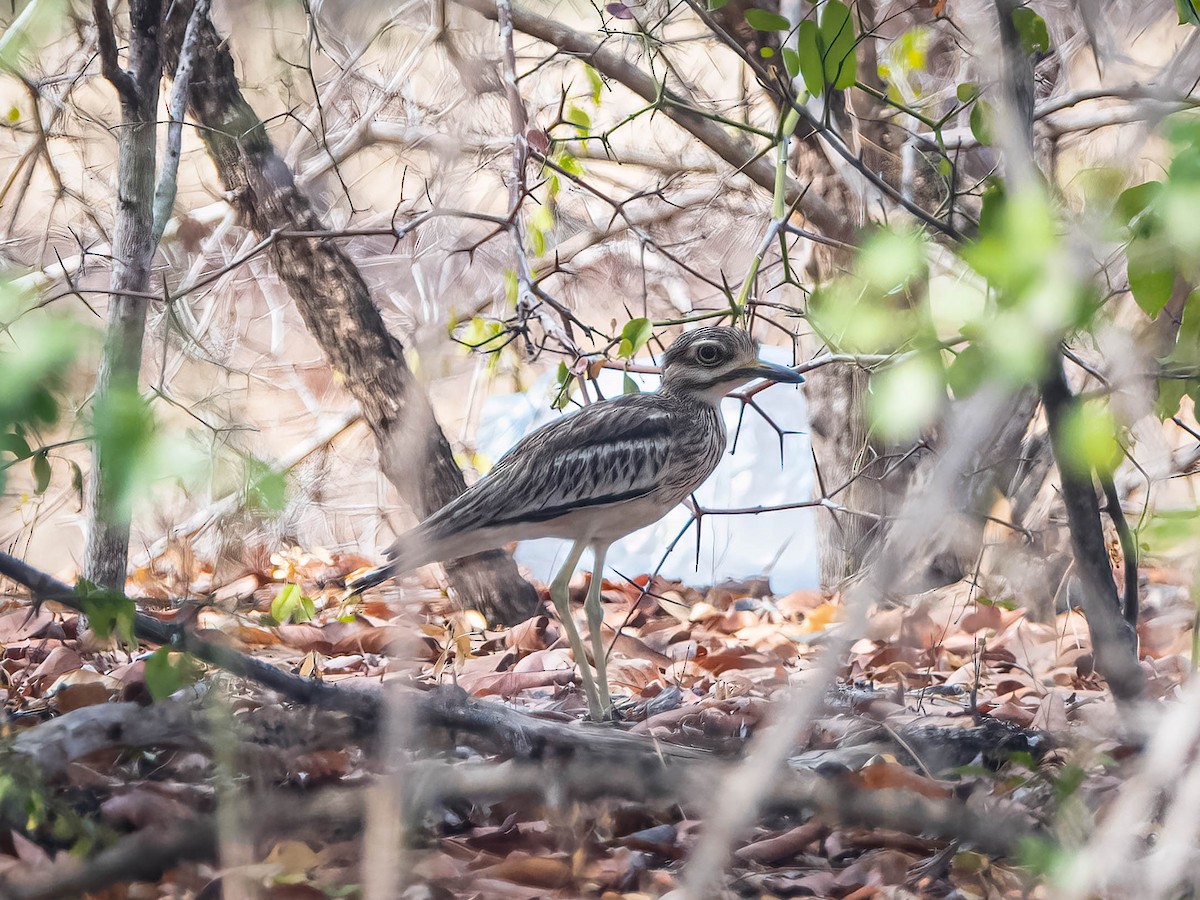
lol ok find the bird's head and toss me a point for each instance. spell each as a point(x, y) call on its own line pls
point(713, 360)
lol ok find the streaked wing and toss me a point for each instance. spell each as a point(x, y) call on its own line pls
point(605, 453)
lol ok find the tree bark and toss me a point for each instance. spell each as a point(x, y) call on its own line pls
point(1114, 641)
point(335, 303)
point(107, 549)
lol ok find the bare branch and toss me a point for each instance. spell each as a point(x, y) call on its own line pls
point(164, 193)
point(110, 65)
point(734, 150)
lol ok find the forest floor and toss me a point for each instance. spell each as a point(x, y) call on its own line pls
point(950, 700)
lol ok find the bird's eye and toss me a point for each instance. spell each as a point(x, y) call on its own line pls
point(708, 354)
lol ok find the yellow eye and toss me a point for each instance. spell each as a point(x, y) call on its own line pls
point(708, 354)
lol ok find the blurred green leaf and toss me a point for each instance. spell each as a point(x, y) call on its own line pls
point(596, 82)
point(1090, 438)
point(714, 5)
point(1170, 392)
point(906, 398)
point(511, 286)
point(634, 336)
point(1031, 29)
point(1151, 272)
point(1132, 203)
point(108, 612)
point(966, 92)
point(15, 444)
point(124, 428)
point(889, 258)
point(762, 20)
point(1187, 12)
point(166, 672)
point(967, 371)
point(1186, 352)
point(766, 52)
point(266, 487)
point(629, 386)
point(853, 318)
point(1172, 531)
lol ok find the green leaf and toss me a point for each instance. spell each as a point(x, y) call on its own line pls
point(42, 406)
point(1171, 392)
point(1031, 29)
point(905, 399)
point(166, 672)
point(982, 115)
point(1187, 346)
point(966, 92)
point(762, 20)
point(511, 286)
point(629, 386)
point(791, 62)
point(1151, 273)
point(542, 218)
point(266, 487)
point(1134, 203)
point(107, 611)
point(568, 163)
point(595, 81)
point(563, 382)
point(1187, 12)
point(1172, 530)
point(766, 52)
point(889, 258)
point(124, 429)
point(15, 444)
point(812, 70)
point(41, 472)
point(967, 372)
point(838, 40)
point(578, 118)
point(290, 605)
point(714, 5)
point(1089, 439)
point(634, 336)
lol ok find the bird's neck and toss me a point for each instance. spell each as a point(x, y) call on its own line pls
point(691, 394)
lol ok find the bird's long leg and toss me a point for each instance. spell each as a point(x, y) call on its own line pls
point(560, 594)
point(595, 619)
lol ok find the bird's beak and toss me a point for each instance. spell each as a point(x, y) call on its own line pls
point(773, 372)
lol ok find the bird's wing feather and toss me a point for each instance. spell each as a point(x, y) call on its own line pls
point(606, 453)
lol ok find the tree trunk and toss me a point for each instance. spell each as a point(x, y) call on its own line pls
point(335, 303)
point(107, 550)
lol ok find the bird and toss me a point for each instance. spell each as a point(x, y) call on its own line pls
point(594, 476)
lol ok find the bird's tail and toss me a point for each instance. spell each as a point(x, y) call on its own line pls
point(410, 551)
point(356, 584)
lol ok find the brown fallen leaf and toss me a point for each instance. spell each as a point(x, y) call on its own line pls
point(882, 775)
point(81, 688)
point(782, 846)
point(537, 633)
point(60, 661)
point(536, 871)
